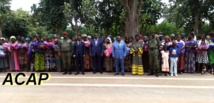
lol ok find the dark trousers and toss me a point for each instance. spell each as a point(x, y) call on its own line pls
point(97, 61)
point(79, 64)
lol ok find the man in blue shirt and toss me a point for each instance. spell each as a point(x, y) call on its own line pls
point(118, 53)
point(174, 53)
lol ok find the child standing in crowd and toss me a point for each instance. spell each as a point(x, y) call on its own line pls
point(57, 55)
point(174, 53)
point(165, 60)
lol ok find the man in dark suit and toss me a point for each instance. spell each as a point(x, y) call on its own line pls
point(79, 54)
point(96, 51)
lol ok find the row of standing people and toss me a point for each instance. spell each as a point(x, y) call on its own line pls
point(139, 55)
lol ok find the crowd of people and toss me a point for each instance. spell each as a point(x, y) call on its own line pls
point(156, 54)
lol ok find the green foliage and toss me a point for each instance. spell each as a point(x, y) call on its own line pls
point(190, 14)
point(150, 13)
point(50, 13)
point(16, 23)
point(166, 27)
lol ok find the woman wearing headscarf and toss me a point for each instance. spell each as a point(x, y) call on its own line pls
point(136, 51)
point(202, 57)
point(190, 48)
point(108, 57)
point(13, 54)
point(50, 63)
point(22, 53)
point(39, 49)
point(87, 58)
point(3, 57)
point(145, 56)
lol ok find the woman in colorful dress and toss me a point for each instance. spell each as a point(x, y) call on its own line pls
point(108, 63)
point(22, 53)
point(13, 55)
point(136, 51)
point(87, 58)
point(3, 57)
point(181, 46)
point(211, 52)
point(39, 60)
point(50, 64)
point(145, 56)
point(202, 57)
point(190, 46)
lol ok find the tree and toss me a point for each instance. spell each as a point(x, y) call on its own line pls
point(150, 13)
point(16, 23)
point(108, 12)
point(4, 9)
point(50, 13)
point(190, 14)
point(132, 13)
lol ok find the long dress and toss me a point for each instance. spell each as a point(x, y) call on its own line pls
point(145, 56)
point(137, 66)
point(165, 60)
point(108, 63)
point(39, 60)
point(22, 54)
point(87, 58)
point(13, 57)
point(181, 61)
point(50, 63)
point(128, 60)
point(190, 56)
point(3, 59)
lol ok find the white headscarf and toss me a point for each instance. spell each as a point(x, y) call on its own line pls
point(109, 39)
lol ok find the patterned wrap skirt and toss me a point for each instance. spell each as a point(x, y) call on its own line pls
point(190, 62)
point(202, 58)
point(39, 62)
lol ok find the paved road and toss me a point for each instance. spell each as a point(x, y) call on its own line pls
point(107, 88)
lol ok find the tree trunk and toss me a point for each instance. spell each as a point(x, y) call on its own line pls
point(76, 29)
point(196, 24)
point(58, 31)
point(1, 23)
point(133, 8)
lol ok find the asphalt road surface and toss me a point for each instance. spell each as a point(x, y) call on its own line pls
point(107, 88)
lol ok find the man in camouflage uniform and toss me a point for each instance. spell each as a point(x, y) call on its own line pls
point(154, 55)
point(66, 49)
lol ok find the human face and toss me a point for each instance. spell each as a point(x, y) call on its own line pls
point(189, 37)
point(179, 38)
point(107, 41)
point(78, 38)
point(174, 45)
point(137, 38)
point(96, 36)
point(13, 40)
point(65, 36)
point(118, 38)
point(22, 39)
